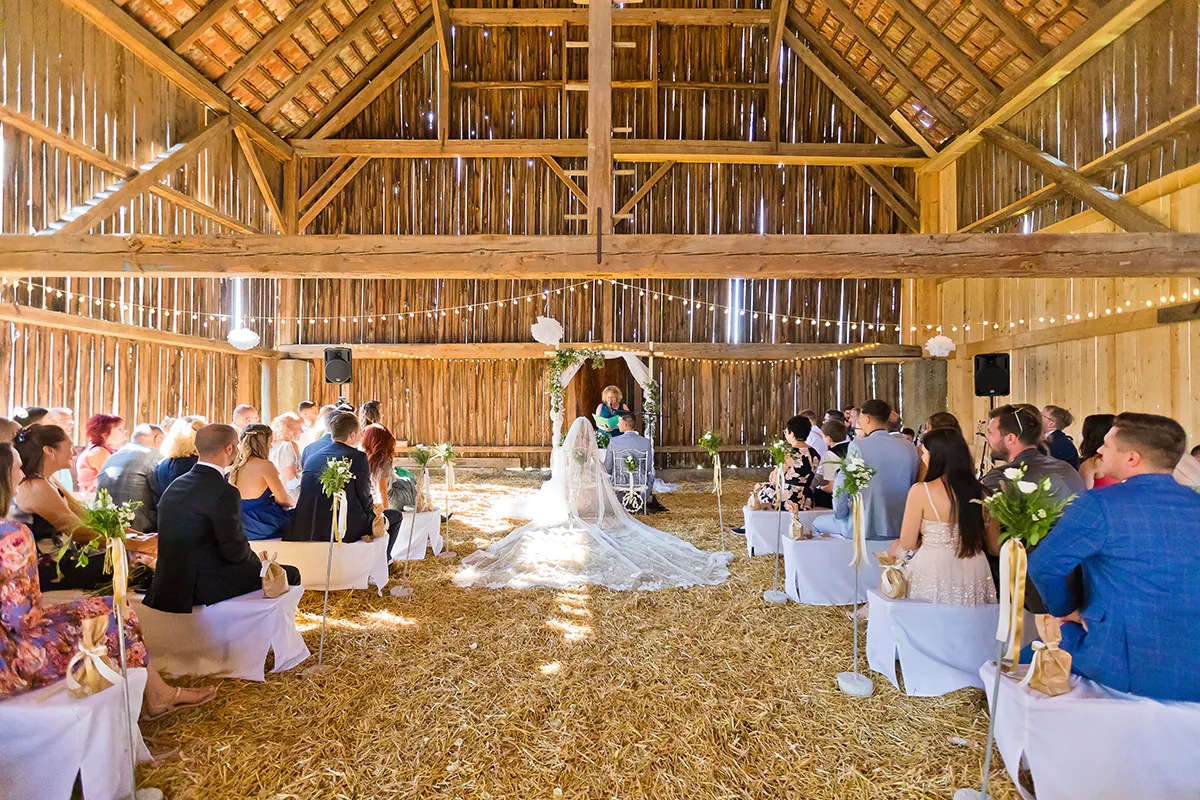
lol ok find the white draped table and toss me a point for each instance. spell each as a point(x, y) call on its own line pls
point(355, 566)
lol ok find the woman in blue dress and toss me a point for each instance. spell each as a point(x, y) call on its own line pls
point(609, 409)
point(178, 450)
point(266, 505)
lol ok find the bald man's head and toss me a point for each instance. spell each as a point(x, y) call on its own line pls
point(217, 444)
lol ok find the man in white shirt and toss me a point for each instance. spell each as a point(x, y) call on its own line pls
point(815, 439)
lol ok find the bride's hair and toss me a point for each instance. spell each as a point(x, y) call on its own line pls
point(950, 460)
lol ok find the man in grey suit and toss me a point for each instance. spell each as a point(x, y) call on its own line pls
point(129, 475)
point(894, 460)
point(630, 442)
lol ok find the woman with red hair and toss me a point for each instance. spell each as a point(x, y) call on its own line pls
point(105, 433)
point(380, 447)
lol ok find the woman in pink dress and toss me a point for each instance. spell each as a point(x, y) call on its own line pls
point(105, 434)
point(1095, 426)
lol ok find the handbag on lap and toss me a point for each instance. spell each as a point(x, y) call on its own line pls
point(274, 579)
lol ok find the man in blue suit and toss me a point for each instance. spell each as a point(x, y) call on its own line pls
point(1139, 546)
point(894, 460)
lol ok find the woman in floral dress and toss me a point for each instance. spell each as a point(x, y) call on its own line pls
point(799, 469)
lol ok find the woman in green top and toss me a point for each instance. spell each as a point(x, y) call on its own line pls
point(609, 409)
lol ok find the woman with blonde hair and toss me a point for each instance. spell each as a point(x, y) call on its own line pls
point(178, 450)
point(266, 504)
point(285, 451)
point(609, 410)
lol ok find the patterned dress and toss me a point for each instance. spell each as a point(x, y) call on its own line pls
point(799, 470)
point(36, 642)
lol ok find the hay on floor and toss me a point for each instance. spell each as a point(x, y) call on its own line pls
point(582, 693)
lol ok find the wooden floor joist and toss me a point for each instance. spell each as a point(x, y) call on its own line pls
point(624, 256)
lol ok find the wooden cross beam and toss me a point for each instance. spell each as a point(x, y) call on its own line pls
point(943, 45)
point(893, 199)
point(260, 177)
point(1128, 216)
point(557, 169)
point(441, 24)
point(644, 189)
point(327, 196)
point(195, 27)
point(1017, 32)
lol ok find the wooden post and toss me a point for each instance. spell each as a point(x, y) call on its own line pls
point(606, 312)
point(600, 162)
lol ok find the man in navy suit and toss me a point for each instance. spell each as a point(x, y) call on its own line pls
point(313, 519)
point(1137, 542)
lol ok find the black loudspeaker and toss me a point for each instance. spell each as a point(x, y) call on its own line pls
point(339, 367)
point(991, 375)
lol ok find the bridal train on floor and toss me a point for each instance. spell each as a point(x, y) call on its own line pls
point(580, 533)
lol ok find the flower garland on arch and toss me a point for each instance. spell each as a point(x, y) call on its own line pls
point(651, 404)
point(562, 361)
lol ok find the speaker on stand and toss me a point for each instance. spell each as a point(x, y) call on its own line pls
point(339, 367)
point(992, 380)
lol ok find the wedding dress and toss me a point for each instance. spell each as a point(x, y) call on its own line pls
point(580, 533)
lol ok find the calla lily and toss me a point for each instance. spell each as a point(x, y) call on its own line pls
point(1014, 474)
point(1026, 487)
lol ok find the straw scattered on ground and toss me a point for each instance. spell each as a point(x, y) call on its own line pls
point(581, 693)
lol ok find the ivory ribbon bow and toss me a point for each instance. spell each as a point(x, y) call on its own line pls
point(1013, 564)
point(858, 534)
point(339, 516)
point(267, 562)
point(423, 501)
point(716, 474)
point(89, 660)
point(119, 564)
point(450, 482)
point(1038, 647)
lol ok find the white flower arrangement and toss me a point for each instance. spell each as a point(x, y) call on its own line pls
point(857, 475)
point(1026, 510)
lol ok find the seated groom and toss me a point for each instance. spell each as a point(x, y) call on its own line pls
point(894, 460)
point(313, 520)
point(129, 475)
point(203, 555)
point(1139, 631)
point(630, 443)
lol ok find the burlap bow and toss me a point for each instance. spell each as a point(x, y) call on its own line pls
point(274, 578)
point(90, 670)
point(1013, 564)
point(339, 516)
point(858, 532)
point(1050, 670)
point(893, 580)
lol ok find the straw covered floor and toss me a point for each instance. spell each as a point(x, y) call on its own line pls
point(583, 693)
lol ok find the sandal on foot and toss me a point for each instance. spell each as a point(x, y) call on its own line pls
point(176, 704)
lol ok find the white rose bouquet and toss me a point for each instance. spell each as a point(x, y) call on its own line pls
point(1026, 510)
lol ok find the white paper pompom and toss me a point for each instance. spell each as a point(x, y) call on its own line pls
point(547, 330)
point(939, 346)
point(243, 338)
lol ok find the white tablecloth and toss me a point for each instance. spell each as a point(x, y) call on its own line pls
point(47, 737)
point(817, 572)
point(355, 565)
point(940, 647)
point(1098, 744)
point(425, 528)
point(228, 639)
point(763, 530)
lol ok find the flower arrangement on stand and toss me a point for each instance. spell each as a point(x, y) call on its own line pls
point(710, 442)
point(856, 475)
point(422, 454)
point(651, 405)
point(445, 451)
point(778, 450)
point(336, 475)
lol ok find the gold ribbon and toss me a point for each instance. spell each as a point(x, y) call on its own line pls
point(1013, 564)
point(90, 660)
point(450, 482)
point(339, 516)
point(117, 562)
point(857, 534)
point(716, 474)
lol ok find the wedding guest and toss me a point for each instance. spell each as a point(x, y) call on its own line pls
point(203, 555)
point(266, 504)
point(834, 414)
point(55, 517)
point(945, 524)
point(244, 415)
point(910, 434)
point(797, 471)
point(837, 439)
point(632, 443)
point(308, 411)
point(319, 433)
point(130, 476)
point(814, 439)
point(46, 635)
point(8, 429)
point(178, 450)
point(285, 452)
point(1136, 545)
point(26, 417)
point(371, 413)
point(895, 463)
point(314, 515)
point(63, 417)
point(1095, 426)
point(893, 424)
point(380, 448)
point(942, 419)
point(1055, 421)
point(105, 433)
point(850, 414)
point(610, 407)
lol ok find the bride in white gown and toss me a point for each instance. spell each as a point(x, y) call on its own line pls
point(580, 533)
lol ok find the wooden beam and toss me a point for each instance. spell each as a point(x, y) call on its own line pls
point(599, 118)
point(313, 68)
point(629, 150)
point(65, 143)
point(1148, 255)
point(24, 315)
point(569, 182)
point(860, 107)
point(323, 181)
point(107, 203)
point(1149, 192)
point(913, 133)
point(412, 52)
point(510, 350)
point(390, 52)
point(327, 196)
point(889, 197)
point(879, 50)
point(645, 188)
point(113, 21)
point(1114, 158)
point(1113, 19)
point(774, 64)
point(1017, 32)
point(1106, 325)
point(902, 194)
point(203, 209)
point(195, 27)
point(441, 24)
point(260, 178)
point(270, 40)
point(944, 46)
point(291, 196)
point(553, 18)
point(1128, 216)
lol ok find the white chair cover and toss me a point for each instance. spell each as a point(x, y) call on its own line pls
point(47, 737)
point(817, 572)
point(355, 565)
point(425, 528)
point(229, 639)
point(763, 530)
point(940, 647)
point(1097, 744)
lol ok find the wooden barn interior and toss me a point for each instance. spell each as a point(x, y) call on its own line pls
point(778, 202)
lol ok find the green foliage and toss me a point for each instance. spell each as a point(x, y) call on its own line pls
point(422, 454)
point(567, 357)
point(650, 407)
point(1026, 510)
point(602, 439)
point(711, 442)
point(778, 450)
point(335, 476)
point(631, 464)
point(107, 519)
